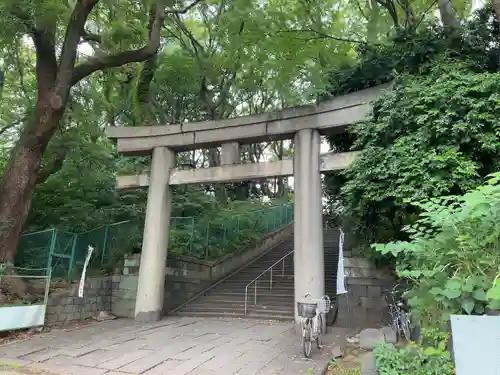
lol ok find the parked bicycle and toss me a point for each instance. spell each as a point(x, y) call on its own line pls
point(312, 321)
point(398, 313)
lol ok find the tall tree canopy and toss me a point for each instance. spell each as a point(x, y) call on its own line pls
point(70, 68)
point(434, 134)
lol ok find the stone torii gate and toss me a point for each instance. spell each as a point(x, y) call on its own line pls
point(305, 124)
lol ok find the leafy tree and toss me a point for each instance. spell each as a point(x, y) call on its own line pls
point(412, 148)
point(432, 135)
point(53, 26)
point(196, 65)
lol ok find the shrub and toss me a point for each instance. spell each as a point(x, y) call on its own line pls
point(452, 257)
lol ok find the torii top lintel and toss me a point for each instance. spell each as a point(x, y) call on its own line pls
point(333, 115)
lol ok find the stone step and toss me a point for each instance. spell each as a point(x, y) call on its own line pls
point(276, 309)
point(228, 298)
point(251, 276)
point(241, 295)
point(277, 314)
point(241, 299)
point(261, 290)
point(243, 283)
point(237, 315)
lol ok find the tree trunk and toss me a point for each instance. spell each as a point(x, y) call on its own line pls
point(448, 17)
point(20, 177)
point(496, 7)
point(373, 21)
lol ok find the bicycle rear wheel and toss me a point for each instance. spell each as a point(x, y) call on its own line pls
point(404, 325)
point(306, 339)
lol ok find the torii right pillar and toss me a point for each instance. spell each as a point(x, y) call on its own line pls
point(309, 271)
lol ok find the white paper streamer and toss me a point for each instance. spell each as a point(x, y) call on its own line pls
point(340, 267)
point(84, 271)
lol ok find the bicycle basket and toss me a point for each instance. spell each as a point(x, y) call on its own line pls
point(306, 310)
point(324, 306)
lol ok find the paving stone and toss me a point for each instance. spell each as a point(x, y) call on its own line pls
point(155, 358)
point(164, 368)
point(43, 355)
point(124, 359)
point(67, 369)
point(200, 349)
point(187, 366)
point(203, 371)
point(60, 360)
point(255, 366)
point(367, 361)
point(219, 360)
point(173, 346)
point(18, 351)
point(390, 335)
point(94, 359)
point(369, 337)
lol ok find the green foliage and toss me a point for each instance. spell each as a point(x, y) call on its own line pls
point(429, 356)
point(413, 359)
point(432, 135)
point(414, 51)
point(236, 228)
point(452, 256)
point(408, 152)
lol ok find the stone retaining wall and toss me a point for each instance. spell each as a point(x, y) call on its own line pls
point(364, 304)
point(65, 306)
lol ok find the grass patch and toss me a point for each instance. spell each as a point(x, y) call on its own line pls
point(10, 365)
point(337, 368)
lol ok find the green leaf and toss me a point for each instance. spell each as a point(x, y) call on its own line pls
point(454, 284)
point(494, 304)
point(451, 293)
point(479, 309)
point(480, 295)
point(435, 290)
point(494, 293)
point(430, 351)
point(468, 286)
point(468, 305)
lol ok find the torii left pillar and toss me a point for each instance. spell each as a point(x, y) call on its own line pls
point(151, 288)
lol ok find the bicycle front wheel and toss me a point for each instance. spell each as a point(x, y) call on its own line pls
point(319, 332)
point(306, 339)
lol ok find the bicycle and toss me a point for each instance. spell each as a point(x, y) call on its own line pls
point(399, 314)
point(312, 322)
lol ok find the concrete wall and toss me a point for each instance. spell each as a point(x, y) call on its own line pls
point(64, 305)
point(186, 276)
point(364, 305)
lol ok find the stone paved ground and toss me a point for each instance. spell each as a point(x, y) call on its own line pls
point(177, 346)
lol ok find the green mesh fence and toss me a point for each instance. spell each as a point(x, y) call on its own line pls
point(34, 249)
point(65, 252)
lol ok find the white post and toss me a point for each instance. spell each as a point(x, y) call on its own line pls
point(309, 272)
point(150, 292)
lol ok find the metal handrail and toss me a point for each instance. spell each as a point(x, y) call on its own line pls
point(254, 281)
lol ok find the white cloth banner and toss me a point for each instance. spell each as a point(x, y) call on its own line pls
point(84, 271)
point(340, 267)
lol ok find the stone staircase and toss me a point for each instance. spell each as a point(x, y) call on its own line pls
point(227, 299)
